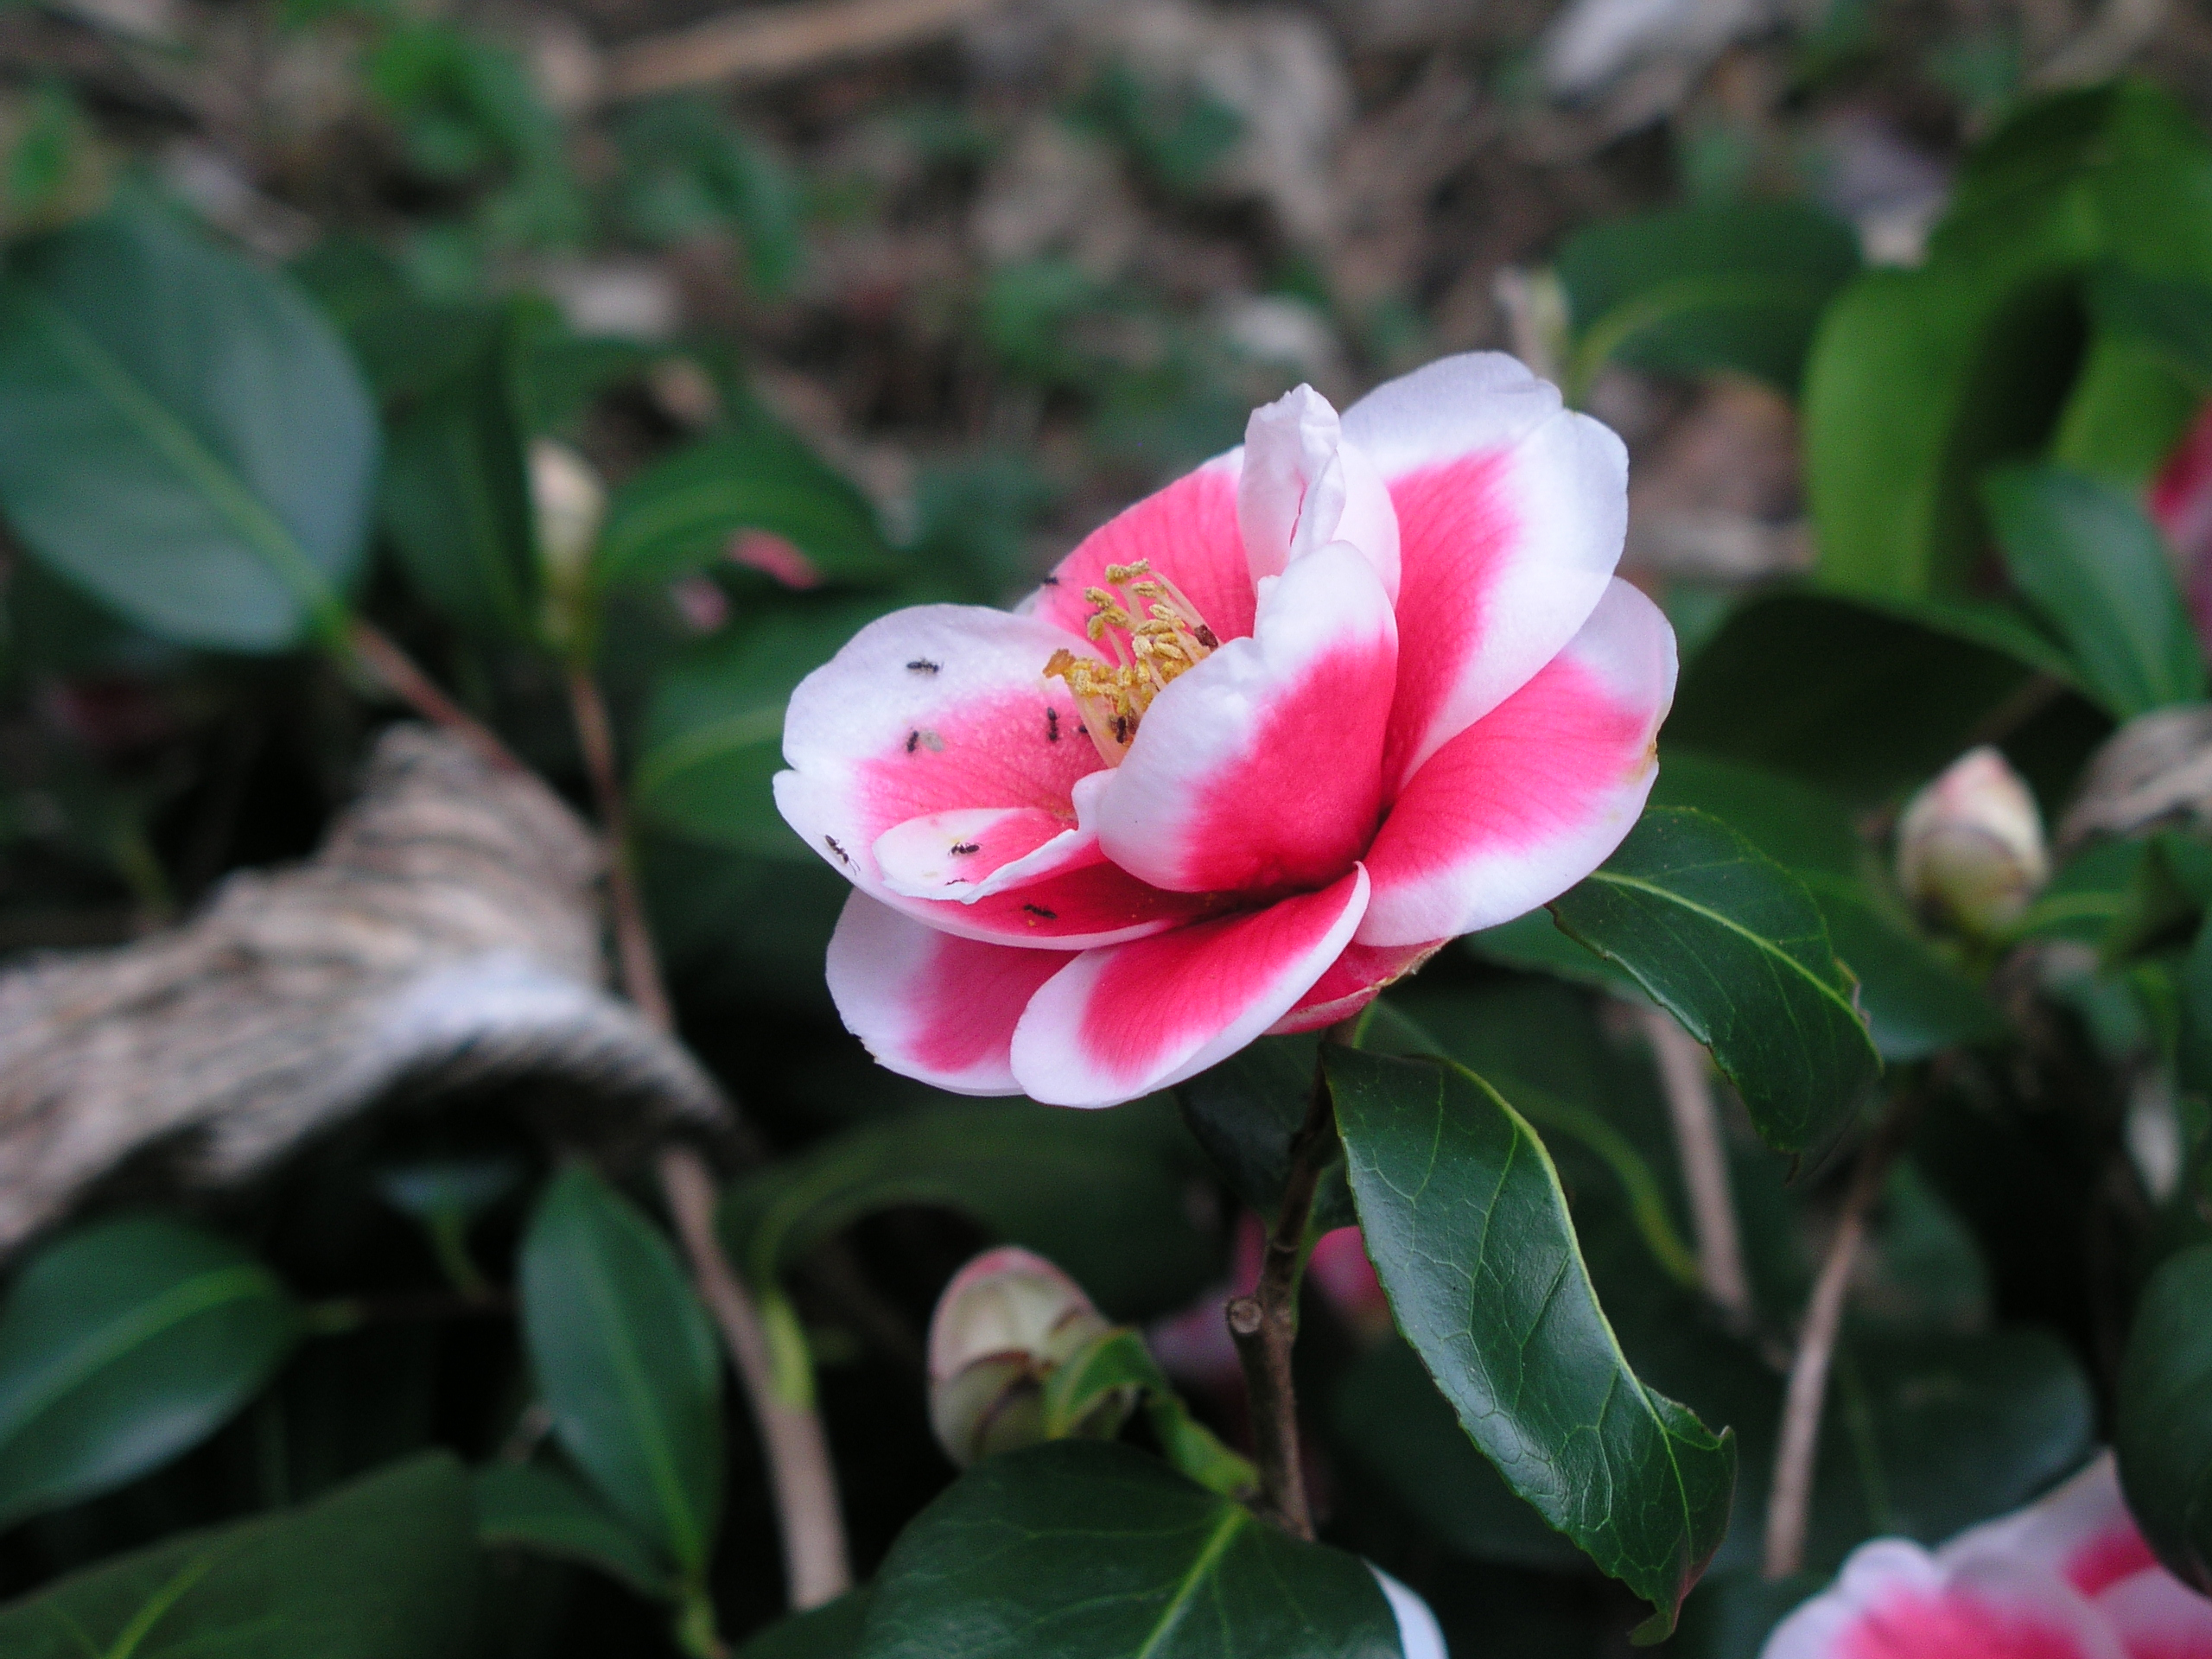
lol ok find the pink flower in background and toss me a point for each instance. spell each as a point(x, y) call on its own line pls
point(2067, 1577)
point(1258, 747)
point(2180, 500)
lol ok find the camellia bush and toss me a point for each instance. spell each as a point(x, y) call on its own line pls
point(1334, 1078)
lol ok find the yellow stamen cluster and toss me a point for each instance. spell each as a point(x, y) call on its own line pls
point(1142, 656)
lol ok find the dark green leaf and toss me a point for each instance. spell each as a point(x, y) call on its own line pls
point(626, 1362)
point(456, 498)
point(123, 1344)
point(1859, 699)
point(1921, 380)
point(1108, 1195)
point(831, 1632)
point(385, 1568)
point(1915, 1002)
point(1734, 946)
point(680, 514)
point(1735, 286)
point(1084, 1550)
point(1533, 944)
point(181, 434)
point(1244, 1112)
point(2164, 1438)
point(537, 1508)
point(2172, 318)
point(1395, 1425)
point(714, 732)
point(2096, 567)
point(1469, 1233)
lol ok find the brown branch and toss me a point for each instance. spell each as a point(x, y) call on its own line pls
point(1688, 1084)
point(1790, 1498)
point(758, 42)
point(815, 1568)
point(400, 674)
point(1264, 1325)
point(804, 1485)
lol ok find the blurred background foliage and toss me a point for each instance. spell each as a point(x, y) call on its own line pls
point(901, 321)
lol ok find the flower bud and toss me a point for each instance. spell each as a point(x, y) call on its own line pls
point(568, 503)
point(1970, 846)
point(1005, 1323)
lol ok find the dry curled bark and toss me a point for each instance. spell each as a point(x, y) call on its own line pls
point(446, 934)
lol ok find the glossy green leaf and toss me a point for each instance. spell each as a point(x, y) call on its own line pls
point(680, 514)
point(1916, 1003)
point(2093, 563)
point(1108, 1195)
point(1397, 1427)
point(456, 497)
point(1863, 700)
point(1084, 1550)
point(1734, 947)
point(626, 1362)
point(383, 1568)
point(181, 434)
point(123, 1344)
point(1736, 286)
point(535, 1507)
point(714, 735)
point(2165, 1438)
point(1470, 1236)
point(1088, 1394)
point(1244, 1112)
point(826, 1632)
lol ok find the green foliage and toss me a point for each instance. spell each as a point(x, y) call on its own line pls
point(627, 1364)
point(1920, 380)
point(1734, 947)
point(1097, 1552)
point(687, 170)
point(2094, 565)
point(1471, 1239)
point(180, 434)
point(456, 495)
point(383, 1569)
point(2165, 1438)
point(536, 1507)
point(1735, 286)
point(123, 1344)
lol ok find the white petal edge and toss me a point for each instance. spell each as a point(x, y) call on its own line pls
point(1419, 1636)
point(1301, 486)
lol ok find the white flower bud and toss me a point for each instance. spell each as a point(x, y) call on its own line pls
point(1970, 846)
point(568, 503)
point(1007, 1322)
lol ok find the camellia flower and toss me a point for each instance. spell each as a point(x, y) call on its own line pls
point(1258, 747)
point(2067, 1577)
point(1970, 845)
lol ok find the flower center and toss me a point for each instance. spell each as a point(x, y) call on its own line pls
point(1143, 656)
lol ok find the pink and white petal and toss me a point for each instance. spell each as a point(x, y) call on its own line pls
point(1260, 770)
point(1536, 794)
point(1303, 487)
point(2080, 1530)
point(951, 855)
point(1121, 1022)
point(1511, 511)
point(1354, 980)
point(2156, 1615)
point(928, 1004)
point(1893, 1601)
point(1188, 533)
point(1419, 1636)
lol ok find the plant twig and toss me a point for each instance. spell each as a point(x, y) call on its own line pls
point(805, 1486)
point(756, 42)
point(1688, 1084)
point(1790, 1498)
point(800, 1475)
point(1264, 1325)
point(634, 941)
point(400, 675)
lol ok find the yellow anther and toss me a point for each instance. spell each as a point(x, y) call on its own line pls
point(1112, 696)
